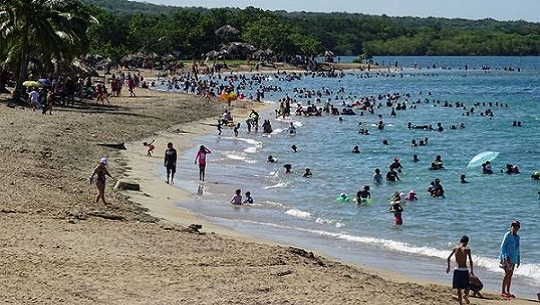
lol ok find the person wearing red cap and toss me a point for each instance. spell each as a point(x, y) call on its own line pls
point(509, 257)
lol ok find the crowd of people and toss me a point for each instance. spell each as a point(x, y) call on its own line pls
point(62, 91)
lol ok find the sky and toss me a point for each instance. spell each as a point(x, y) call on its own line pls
point(528, 10)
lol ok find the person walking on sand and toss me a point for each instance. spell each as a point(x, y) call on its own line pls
point(201, 158)
point(33, 99)
point(100, 172)
point(170, 162)
point(509, 258)
point(461, 279)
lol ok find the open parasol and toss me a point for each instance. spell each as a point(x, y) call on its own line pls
point(31, 83)
point(482, 158)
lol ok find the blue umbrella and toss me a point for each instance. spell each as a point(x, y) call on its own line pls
point(482, 158)
point(45, 82)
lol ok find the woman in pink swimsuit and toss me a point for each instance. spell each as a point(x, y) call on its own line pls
point(201, 158)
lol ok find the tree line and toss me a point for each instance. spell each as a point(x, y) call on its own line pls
point(129, 27)
point(49, 35)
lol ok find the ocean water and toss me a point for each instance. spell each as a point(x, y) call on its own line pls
point(301, 211)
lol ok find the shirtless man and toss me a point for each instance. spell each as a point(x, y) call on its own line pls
point(461, 273)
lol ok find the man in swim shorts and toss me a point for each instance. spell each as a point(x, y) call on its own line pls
point(170, 162)
point(461, 273)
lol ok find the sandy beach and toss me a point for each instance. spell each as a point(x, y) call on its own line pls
point(59, 247)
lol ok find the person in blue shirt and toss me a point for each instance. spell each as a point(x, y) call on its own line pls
point(509, 258)
point(249, 199)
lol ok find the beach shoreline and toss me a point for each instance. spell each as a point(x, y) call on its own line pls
point(164, 207)
point(59, 247)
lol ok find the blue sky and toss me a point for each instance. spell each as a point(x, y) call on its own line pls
point(470, 9)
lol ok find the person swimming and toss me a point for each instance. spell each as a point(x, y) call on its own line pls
point(392, 176)
point(271, 159)
point(512, 169)
point(307, 173)
point(437, 164)
point(396, 165)
point(486, 168)
point(343, 198)
point(356, 150)
point(377, 177)
point(292, 129)
point(288, 168)
point(363, 195)
point(411, 196)
point(437, 190)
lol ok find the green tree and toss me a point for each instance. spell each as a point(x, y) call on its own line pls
point(40, 33)
point(269, 33)
point(108, 36)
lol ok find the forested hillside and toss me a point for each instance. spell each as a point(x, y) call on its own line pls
point(127, 26)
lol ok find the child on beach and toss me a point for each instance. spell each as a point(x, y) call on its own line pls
point(150, 147)
point(235, 129)
point(396, 208)
point(237, 198)
point(201, 159)
point(248, 199)
point(219, 127)
point(461, 273)
point(476, 286)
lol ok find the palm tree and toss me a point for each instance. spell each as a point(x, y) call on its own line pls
point(36, 34)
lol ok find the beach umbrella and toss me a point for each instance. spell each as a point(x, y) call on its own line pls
point(212, 54)
point(227, 31)
point(45, 82)
point(482, 158)
point(31, 83)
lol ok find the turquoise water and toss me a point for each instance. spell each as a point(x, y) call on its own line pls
point(303, 211)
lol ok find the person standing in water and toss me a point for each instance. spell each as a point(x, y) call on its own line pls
point(396, 208)
point(201, 158)
point(509, 258)
point(170, 162)
point(461, 278)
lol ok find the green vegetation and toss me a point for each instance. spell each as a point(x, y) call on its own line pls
point(155, 28)
point(41, 35)
point(45, 35)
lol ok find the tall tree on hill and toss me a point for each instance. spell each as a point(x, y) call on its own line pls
point(36, 34)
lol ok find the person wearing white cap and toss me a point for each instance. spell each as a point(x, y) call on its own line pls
point(100, 172)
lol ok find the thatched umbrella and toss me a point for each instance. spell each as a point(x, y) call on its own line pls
point(212, 54)
point(329, 56)
point(227, 32)
point(239, 49)
point(262, 54)
point(168, 57)
point(127, 58)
